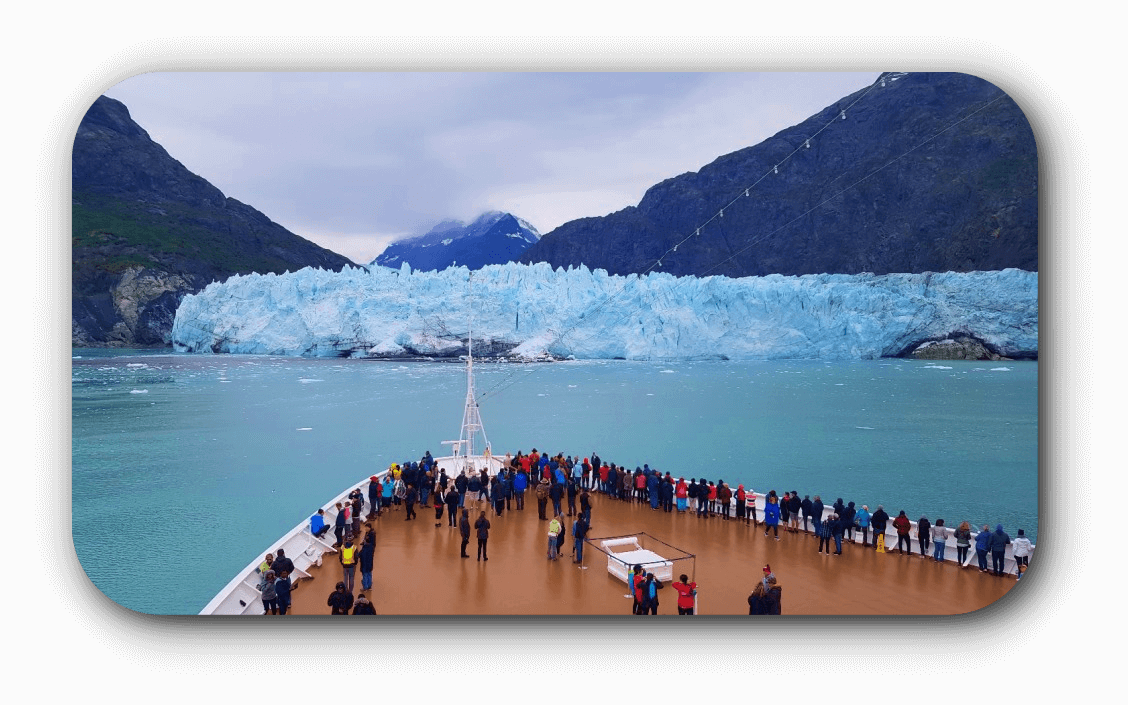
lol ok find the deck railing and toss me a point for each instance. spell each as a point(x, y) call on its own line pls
point(242, 594)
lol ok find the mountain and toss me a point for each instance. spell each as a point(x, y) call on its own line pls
point(146, 231)
point(493, 238)
point(928, 172)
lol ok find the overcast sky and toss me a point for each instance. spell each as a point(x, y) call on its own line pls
point(353, 161)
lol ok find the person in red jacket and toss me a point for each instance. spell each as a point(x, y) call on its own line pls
point(681, 491)
point(687, 591)
point(902, 525)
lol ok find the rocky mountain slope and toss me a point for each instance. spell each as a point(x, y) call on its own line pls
point(146, 231)
point(927, 172)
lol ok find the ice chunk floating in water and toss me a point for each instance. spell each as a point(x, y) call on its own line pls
point(533, 309)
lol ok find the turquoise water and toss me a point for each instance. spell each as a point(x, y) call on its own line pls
point(196, 463)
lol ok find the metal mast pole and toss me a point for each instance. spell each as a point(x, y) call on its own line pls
point(471, 418)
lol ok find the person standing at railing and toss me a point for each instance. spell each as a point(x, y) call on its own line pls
point(924, 532)
point(902, 525)
point(963, 542)
point(750, 507)
point(1022, 548)
point(982, 543)
point(374, 496)
point(939, 541)
point(282, 588)
point(837, 530)
point(794, 506)
point(817, 511)
point(823, 532)
point(863, 519)
point(998, 546)
point(805, 508)
point(771, 514)
point(741, 498)
point(879, 521)
point(269, 594)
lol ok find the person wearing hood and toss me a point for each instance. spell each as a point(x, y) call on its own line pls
point(982, 541)
point(363, 606)
point(903, 526)
point(341, 600)
point(879, 520)
point(998, 547)
point(771, 514)
point(1022, 547)
point(848, 519)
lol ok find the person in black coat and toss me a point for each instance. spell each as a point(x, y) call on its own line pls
point(367, 558)
point(461, 483)
point(411, 498)
point(848, 520)
point(483, 528)
point(363, 606)
point(805, 508)
point(339, 525)
point(464, 529)
point(452, 499)
point(794, 505)
point(878, 521)
point(340, 600)
point(373, 496)
point(282, 564)
point(817, 513)
point(556, 494)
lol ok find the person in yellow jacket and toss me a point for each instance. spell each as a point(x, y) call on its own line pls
point(348, 557)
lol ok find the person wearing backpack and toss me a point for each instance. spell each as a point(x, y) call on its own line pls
point(348, 557)
point(650, 589)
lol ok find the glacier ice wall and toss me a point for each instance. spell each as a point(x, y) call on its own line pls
point(533, 309)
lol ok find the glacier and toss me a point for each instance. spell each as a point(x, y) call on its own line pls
point(524, 311)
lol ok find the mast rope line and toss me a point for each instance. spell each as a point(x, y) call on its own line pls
point(746, 193)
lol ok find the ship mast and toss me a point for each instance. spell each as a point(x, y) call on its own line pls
point(471, 418)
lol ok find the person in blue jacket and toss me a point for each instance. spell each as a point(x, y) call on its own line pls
point(771, 514)
point(520, 484)
point(652, 489)
point(982, 540)
point(863, 519)
point(998, 547)
point(317, 525)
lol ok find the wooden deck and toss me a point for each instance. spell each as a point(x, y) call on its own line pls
point(419, 572)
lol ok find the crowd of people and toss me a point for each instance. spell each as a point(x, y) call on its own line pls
point(568, 484)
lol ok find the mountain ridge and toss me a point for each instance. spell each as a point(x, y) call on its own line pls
point(928, 172)
point(146, 231)
point(494, 237)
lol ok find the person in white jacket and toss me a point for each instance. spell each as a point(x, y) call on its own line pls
point(1022, 548)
